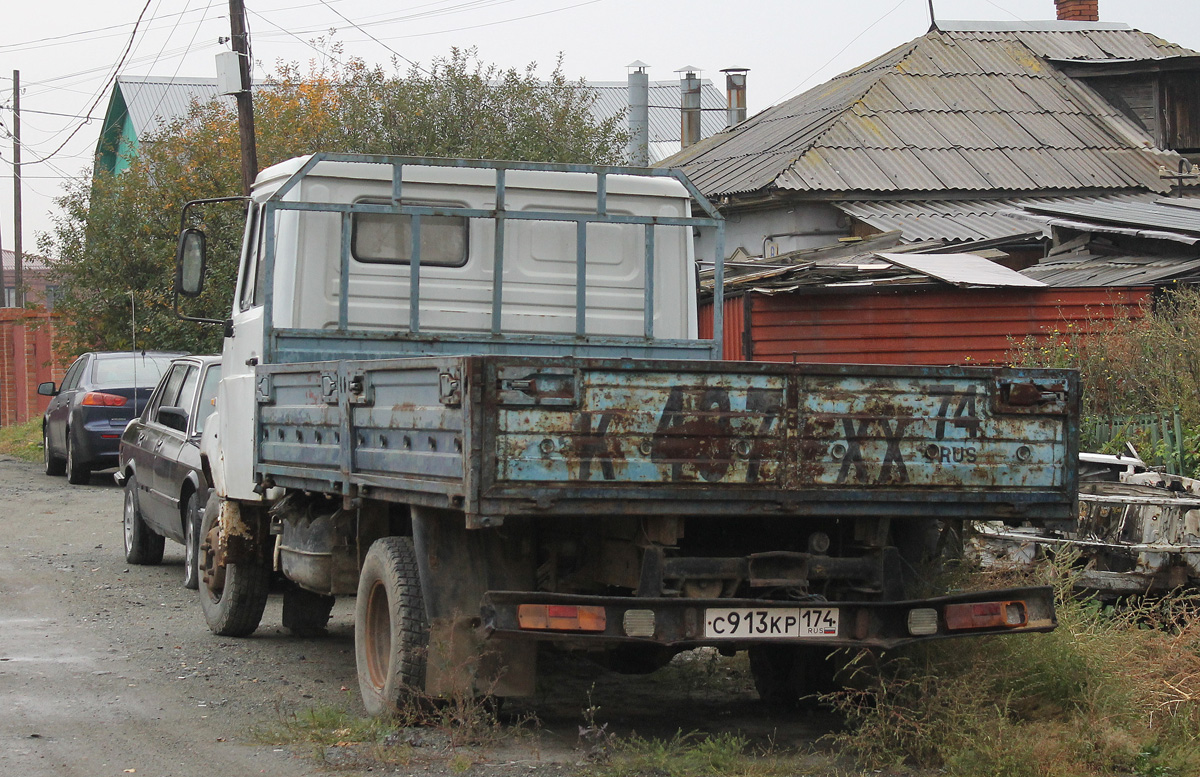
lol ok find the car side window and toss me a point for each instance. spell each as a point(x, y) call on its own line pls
point(71, 379)
point(169, 393)
point(188, 392)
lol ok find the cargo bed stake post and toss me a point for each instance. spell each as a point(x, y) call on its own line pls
point(344, 280)
point(719, 295)
point(498, 255)
point(414, 277)
point(580, 277)
point(649, 270)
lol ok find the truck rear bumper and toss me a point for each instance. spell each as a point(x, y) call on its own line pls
point(740, 623)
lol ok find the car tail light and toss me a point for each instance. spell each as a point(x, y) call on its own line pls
point(984, 615)
point(561, 617)
point(103, 400)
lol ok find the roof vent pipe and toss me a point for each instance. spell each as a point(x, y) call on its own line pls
point(735, 94)
point(639, 114)
point(1078, 10)
point(689, 88)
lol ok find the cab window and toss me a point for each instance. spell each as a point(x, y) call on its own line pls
point(385, 238)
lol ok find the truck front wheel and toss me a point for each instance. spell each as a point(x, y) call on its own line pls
point(233, 596)
point(391, 633)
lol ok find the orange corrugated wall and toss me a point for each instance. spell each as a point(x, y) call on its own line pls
point(956, 326)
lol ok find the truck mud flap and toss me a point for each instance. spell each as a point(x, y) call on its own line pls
point(739, 623)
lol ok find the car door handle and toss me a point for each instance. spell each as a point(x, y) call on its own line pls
point(158, 444)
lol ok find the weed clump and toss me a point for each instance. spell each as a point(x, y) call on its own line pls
point(1112, 689)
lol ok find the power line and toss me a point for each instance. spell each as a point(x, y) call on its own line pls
point(100, 95)
point(840, 52)
point(372, 37)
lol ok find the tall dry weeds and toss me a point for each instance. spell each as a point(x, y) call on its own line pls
point(1112, 690)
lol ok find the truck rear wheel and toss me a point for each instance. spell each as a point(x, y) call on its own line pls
point(232, 596)
point(784, 675)
point(391, 633)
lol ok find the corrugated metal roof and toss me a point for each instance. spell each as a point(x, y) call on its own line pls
point(152, 101)
point(962, 269)
point(973, 108)
point(949, 220)
point(1165, 213)
point(1091, 270)
point(978, 219)
point(612, 99)
point(8, 259)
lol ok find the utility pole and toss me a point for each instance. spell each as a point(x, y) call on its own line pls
point(18, 281)
point(245, 100)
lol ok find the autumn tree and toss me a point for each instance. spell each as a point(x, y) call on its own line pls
point(114, 239)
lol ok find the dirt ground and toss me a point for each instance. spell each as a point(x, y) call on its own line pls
point(109, 669)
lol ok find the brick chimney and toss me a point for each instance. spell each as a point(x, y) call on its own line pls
point(1078, 10)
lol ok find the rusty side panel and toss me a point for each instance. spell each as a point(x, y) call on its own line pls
point(503, 435)
point(648, 427)
point(791, 430)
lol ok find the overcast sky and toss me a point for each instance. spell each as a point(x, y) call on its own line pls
point(68, 50)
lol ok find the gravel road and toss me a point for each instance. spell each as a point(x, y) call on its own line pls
point(108, 668)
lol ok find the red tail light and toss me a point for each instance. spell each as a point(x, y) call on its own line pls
point(985, 615)
point(103, 400)
point(561, 617)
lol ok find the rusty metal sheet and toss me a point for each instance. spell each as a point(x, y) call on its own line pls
point(651, 427)
point(905, 432)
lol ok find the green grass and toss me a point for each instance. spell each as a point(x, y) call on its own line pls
point(695, 755)
point(23, 441)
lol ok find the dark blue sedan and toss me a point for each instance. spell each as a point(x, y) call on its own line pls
point(100, 393)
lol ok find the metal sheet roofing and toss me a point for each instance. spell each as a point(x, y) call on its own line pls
point(965, 108)
point(153, 101)
point(949, 220)
point(612, 99)
point(961, 269)
point(1166, 213)
point(955, 221)
point(1091, 270)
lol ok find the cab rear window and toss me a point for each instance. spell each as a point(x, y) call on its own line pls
point(384, 238)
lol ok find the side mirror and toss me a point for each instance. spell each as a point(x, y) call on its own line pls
point(173, 418)
point(190, 260)
point(47, 389)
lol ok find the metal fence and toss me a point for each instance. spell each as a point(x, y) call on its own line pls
point(1158, 437)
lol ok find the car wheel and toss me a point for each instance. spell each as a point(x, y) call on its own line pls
point(232, 596)
point(391, 633)
point(191, 542)
point(142, 546)
point(78, 473)
point(54, 465)
point(306, 613)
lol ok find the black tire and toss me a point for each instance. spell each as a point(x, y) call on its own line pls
point(55, 465)
point(391, 633)
point(78, 472)
point(788, 676)
point(142, 546)
point(191, 542)
point(305, 613)
point(232, 596)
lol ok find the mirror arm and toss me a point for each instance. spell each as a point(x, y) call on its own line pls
point(183, 216)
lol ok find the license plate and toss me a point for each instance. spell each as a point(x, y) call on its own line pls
point(770, 622)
